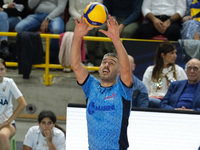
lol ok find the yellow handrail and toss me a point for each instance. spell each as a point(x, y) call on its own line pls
point(47, 76)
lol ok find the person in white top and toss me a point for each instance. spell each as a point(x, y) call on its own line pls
point(47, 135)
point(8, 89)
point(158, 77)
point(162, 17)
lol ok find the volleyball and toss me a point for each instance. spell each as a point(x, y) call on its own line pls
point(95, 14)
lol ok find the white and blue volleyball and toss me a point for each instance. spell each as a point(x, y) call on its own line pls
point(95, 14)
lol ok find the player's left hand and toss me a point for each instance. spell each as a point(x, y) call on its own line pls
point(81, 28)
point(113, 31)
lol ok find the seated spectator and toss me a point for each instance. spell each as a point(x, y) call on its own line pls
point(185, 95)
point(76, 9)
point(158, 77)
point(10, 14)
point(127, 14)
point(162, 17)
point(7, 117)
point(48, 16)
point(140, 96)
point(47, 135)
point(191, 21)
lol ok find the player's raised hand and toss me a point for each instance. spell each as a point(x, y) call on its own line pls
point(81, 28)
point(113, 31)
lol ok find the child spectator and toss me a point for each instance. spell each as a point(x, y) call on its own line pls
point(47, 135)
point(7, 116)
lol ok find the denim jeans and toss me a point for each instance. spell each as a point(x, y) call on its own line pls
point(7, 23)
point(13, 21)
point(33, 22)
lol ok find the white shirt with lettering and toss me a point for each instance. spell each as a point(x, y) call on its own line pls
point(37, 141)
point(8, 89)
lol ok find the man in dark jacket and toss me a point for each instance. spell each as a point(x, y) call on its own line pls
point(184, 94)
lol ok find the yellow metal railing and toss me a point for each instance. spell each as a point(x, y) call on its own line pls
point(48, 77)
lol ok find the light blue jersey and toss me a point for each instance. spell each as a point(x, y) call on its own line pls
point(108, 110)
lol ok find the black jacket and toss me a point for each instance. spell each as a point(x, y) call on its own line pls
point(30, 51)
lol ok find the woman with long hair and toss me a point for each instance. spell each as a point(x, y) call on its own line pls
point(45, 136)
point(8, 89)
point(158, 77)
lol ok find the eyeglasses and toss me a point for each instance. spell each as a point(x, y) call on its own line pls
point(194, 68)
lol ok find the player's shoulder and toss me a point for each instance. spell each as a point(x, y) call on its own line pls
point(6, 79)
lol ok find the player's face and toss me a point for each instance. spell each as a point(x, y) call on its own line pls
point(2, 71)
point(170, 57)
point(109, 68)
point(46, 124)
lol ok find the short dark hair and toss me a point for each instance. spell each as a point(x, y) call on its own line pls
point(3, 62)
point(111, 54)
point(47, 114)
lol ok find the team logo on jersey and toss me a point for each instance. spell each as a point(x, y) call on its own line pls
point(92, 108)
point(110, 98)
point(4, 89)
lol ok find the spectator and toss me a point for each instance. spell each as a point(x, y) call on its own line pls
point(140, 96)
point(48, 16)
point(76, 9)
point(10, 14)
point(191, 25)
point(184, 95)
point(47, 135)
point(158, 77)
point(108, 100)
point(162, 17)
point(127, 14)
point(7, 117)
